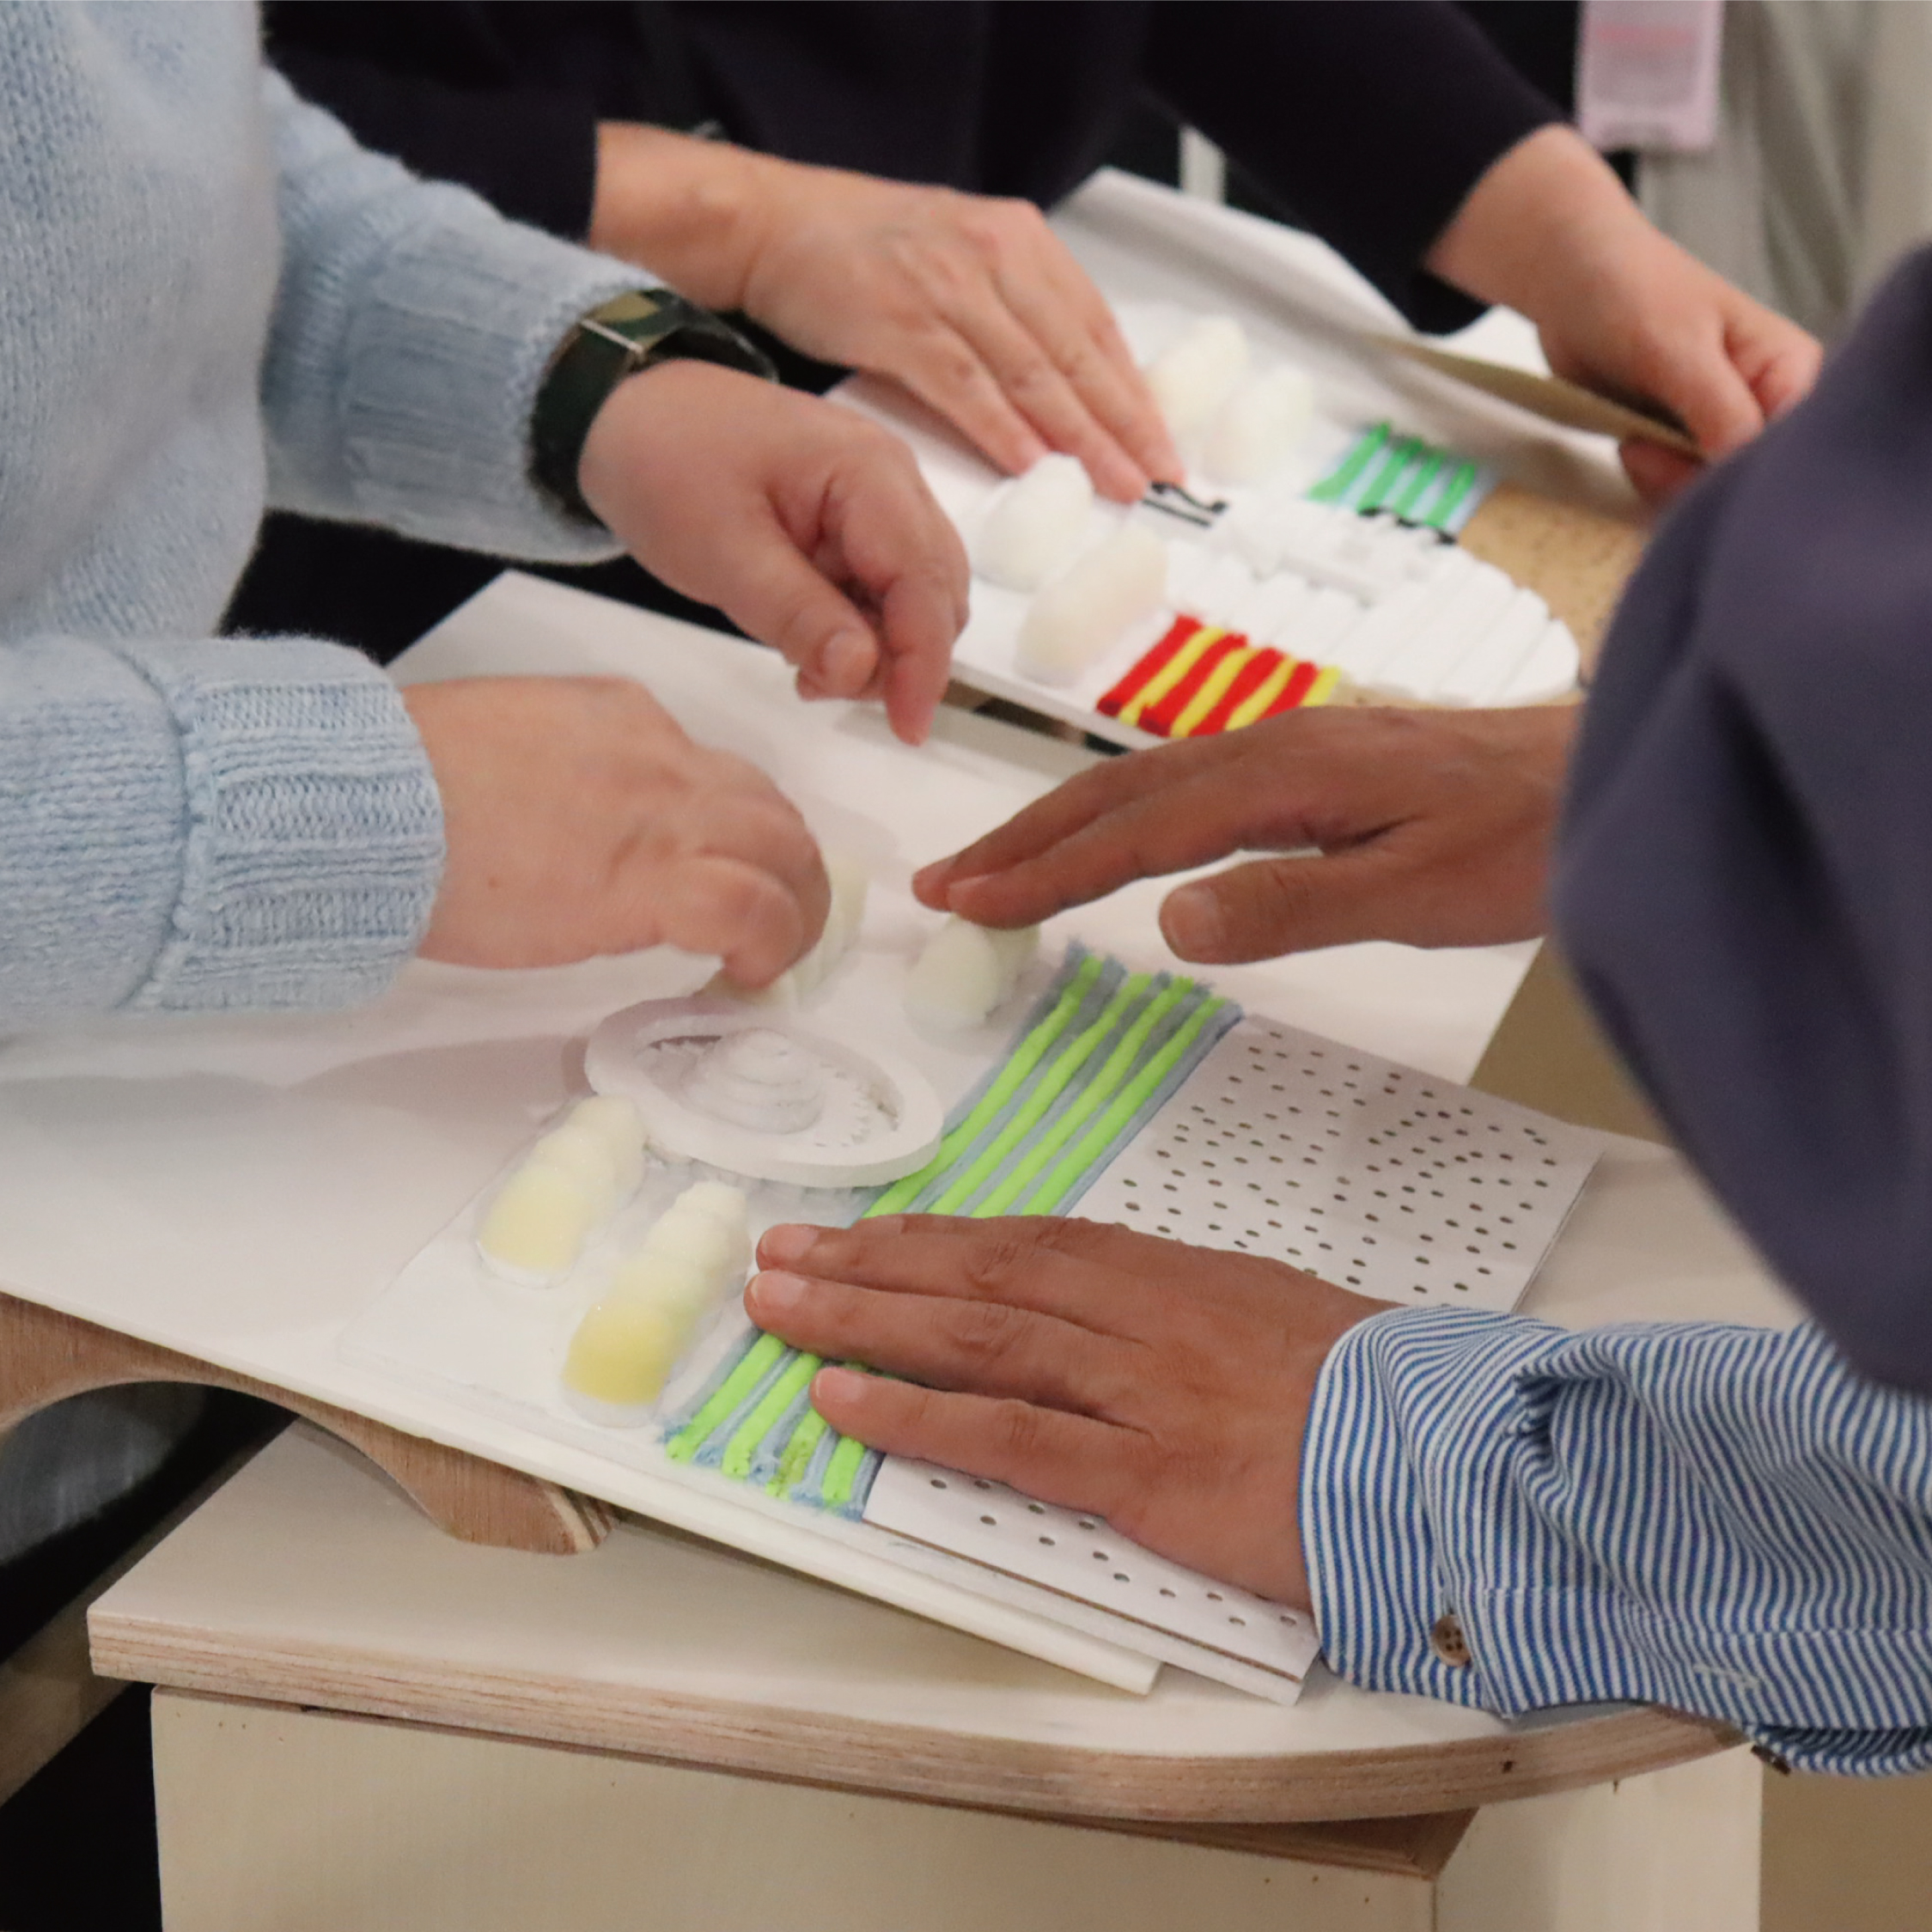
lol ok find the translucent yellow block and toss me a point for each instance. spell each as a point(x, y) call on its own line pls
point(535, 1228)
point(620, 1358)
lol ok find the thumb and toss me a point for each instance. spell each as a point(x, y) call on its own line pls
point(1268, 907)
point(778, 597)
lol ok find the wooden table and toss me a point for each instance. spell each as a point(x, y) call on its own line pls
point(364, 1723)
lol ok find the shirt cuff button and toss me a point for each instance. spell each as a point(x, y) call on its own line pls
point(1450, 1645)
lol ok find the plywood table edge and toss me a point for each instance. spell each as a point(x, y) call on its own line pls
point(909, 1760)
point(46, 1355)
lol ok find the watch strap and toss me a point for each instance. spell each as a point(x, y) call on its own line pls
point(612, 343)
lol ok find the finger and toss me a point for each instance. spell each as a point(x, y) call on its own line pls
point(1656, 473)
point(1065, 810)
point(1067, 315)
point(1027, 374)
point(1207, 814)
point(916, 617)
point(943, 369)
point(778, 597)
point(1080, 1271)
point(884, 539)
point(723, 906)
point(988, 1348)
point(1272, 907)
point(1781, 362)
point(1707, 390)
point(745, 817)
point(1071, 1460)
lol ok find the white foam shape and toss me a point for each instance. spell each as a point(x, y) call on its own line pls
point(617, 1122)
point(1078, 618)
point(761, 1080)
point(1548, 673)
point(535, 1228)
point(845, 916)
point(1192, 378)
point(1258, 427)
point(1033, 524)
point(718, 1201)
point(966, 972)
point(714, 1250)
point(589, 1155)
point(880, 1116)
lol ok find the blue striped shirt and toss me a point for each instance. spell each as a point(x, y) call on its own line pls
point(1726, 1520)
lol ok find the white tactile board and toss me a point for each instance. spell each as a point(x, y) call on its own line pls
point(1079, 1557)
point(1393, 1183)
point(1410, 618)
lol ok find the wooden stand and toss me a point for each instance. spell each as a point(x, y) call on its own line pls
point(45, 1357)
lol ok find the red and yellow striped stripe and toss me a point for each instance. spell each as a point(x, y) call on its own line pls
point(1199, 680)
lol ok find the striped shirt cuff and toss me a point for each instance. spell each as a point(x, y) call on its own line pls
point(1501, 1513)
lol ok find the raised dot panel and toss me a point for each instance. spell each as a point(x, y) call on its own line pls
point(1374, 1176)
point(1081, 1556)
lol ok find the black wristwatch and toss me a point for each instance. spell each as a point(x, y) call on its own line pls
point(608, 346)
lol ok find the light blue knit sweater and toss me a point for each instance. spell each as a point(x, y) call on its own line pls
point(210, 298)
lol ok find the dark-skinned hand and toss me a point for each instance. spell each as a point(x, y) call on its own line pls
point(1162, 1386)
point(1433, 827)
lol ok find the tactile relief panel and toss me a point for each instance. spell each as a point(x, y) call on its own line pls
point(1079, 1557)
point(1372, 1175)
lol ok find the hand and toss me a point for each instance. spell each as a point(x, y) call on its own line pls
point(807, 525)
point(1549, 229)
point(1164, 1387)
point(1434, 828)
point(974, 304)
point(581, 820)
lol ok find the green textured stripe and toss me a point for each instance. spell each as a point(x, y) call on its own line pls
point(743, 1445)
point(1097, 1092)
point(841, 1471)
point(754, 1366)
point(1413, 489)
point(1108, 1129)
point(1020, 1063)
point(1459, 486)
point(797, 1452)
point(1338, 483)
point(1398, 460)
point(1051, 1084)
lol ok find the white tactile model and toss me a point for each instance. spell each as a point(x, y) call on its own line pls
point(1309, 560)
point(1134, 1097)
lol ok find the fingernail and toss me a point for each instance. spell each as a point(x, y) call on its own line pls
point(840, 1384)
point(847, 662)
point(1193, 921)
point(776, 1293)
point(931, 878)
point(790, 1242)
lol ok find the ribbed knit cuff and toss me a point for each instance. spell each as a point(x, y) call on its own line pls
point(313, 841)
point(449, 348)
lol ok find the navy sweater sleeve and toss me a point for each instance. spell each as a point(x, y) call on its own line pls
point(1368, 124)
point(1744, 871)
point(530, 151)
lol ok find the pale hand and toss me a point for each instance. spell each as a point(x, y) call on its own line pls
point(972, 303)
point(1164, 1387)
point(580, 820)
point(807, 526)
point(1434, 827)
point(1620, 306)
